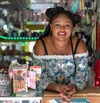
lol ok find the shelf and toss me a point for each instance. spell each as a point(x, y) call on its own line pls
point(16, 39)
point(16, 53)
point(34, 27)
point(20, 98)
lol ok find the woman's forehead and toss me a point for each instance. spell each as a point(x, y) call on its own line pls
point(62, 17)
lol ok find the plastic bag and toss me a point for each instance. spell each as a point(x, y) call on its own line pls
point(18, 74)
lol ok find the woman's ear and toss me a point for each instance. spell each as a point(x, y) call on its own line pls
point(46, 18)
point(73, 31)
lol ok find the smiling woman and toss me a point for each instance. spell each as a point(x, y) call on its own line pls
point(63, 57)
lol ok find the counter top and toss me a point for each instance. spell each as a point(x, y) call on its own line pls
point(91, 94)
point(88, 91)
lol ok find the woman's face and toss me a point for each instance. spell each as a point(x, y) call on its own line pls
point(61, 27)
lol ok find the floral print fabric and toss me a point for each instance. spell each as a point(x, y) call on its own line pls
point(55, 66)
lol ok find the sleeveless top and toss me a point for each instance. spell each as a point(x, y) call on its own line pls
point(62, 69)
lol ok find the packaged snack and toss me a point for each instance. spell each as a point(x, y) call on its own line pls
point(19, 80)
point(18, 74)
point(37, 70)
point(31, 79)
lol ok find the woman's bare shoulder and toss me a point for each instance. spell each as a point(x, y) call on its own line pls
point(82, 47)
point(39, 48)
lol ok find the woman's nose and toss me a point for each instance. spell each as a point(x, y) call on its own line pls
point(62, 28)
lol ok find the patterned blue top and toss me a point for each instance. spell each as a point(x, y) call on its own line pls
point(56, 66)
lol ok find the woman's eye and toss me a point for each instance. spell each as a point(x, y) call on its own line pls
point(57, 25)
point(67, 25)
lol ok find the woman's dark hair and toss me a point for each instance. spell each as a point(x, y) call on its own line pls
point(52, 13)
point(73, 17)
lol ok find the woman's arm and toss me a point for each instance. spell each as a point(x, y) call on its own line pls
point(56, 87)
point(38, 48)
point(45, 79)
point(81, 77)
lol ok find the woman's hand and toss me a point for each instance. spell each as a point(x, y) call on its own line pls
point(56, 87)
point(61, 88)
point(67, 93)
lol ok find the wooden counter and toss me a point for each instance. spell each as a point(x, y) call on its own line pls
point(90, 93)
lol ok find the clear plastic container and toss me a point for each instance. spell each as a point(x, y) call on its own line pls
point(5, 83)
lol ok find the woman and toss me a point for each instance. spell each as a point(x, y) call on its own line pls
point(63, 57)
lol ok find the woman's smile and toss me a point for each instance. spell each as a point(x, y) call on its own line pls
point(62, 33)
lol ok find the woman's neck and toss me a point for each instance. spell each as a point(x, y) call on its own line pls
point(60, 48)
point(60, 44)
